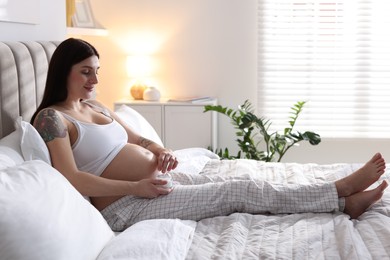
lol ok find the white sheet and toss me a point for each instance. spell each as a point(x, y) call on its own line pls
point(293, 236)
point(246, 236)
point(164, 239)
point(193, 160)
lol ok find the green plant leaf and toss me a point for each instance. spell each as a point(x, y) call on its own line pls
point(250, 128)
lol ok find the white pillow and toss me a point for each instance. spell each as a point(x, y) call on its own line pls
point(31, 143)
point(163, 239)
point(138, 123)
point(10, 152)
point(44, 217)
point(193, 160)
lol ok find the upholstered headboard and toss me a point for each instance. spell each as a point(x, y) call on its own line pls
point(23, 70)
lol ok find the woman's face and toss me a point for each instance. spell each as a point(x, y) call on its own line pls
point(83, 78)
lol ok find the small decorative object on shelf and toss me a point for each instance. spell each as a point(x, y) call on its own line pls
point(137, 91)
point(151, 94)
point(80, 19)
point(83, 16)
point(70, 11)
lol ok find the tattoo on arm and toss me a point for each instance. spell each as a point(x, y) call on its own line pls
point(49, 125)
point(144, 142)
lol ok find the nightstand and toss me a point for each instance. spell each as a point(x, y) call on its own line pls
point(179, 124)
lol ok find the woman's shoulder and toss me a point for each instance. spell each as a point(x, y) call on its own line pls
point(48, 115)
point(48, 112)
point(49, 124)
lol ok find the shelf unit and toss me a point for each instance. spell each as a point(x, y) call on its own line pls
point(86, 31)
point(179, 124)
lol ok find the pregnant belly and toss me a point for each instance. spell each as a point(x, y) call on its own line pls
point(132, 163)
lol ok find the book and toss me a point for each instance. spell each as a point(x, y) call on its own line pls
point(190, 99)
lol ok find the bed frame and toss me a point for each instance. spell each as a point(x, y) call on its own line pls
point(23, 67)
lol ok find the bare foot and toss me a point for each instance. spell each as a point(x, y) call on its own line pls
point(362, 178)
point(356, 204)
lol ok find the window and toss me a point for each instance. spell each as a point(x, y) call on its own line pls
point(333, 54)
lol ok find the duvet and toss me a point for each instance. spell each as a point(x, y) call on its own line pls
point(292, 236)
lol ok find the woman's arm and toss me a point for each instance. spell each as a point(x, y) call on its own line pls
point(54, 131)
point(166, 159)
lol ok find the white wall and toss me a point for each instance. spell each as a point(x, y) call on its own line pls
point(51, 26)
point(203, 47)
point(200, 47)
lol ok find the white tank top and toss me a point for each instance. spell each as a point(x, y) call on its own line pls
point(97, 145)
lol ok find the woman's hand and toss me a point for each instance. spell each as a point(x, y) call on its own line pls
point(166, 160)
point(151, 188)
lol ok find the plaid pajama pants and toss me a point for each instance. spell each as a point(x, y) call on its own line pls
point(196, 197)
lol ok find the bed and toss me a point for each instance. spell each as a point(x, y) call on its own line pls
point(43, 217)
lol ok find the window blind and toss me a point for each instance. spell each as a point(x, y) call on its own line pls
point(333, 54)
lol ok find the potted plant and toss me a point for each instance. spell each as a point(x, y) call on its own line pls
point(252, 131)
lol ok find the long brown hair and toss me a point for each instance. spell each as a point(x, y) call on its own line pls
point(67, 54)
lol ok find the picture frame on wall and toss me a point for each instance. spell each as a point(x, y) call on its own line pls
point(20, 11)
point(83, 16)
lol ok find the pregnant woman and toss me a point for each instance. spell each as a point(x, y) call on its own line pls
point(117, 168)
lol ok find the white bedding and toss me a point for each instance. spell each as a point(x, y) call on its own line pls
point(289, 236)
point(238, 236)
point(42, 216)
point(293, 236)
point(164, 239)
